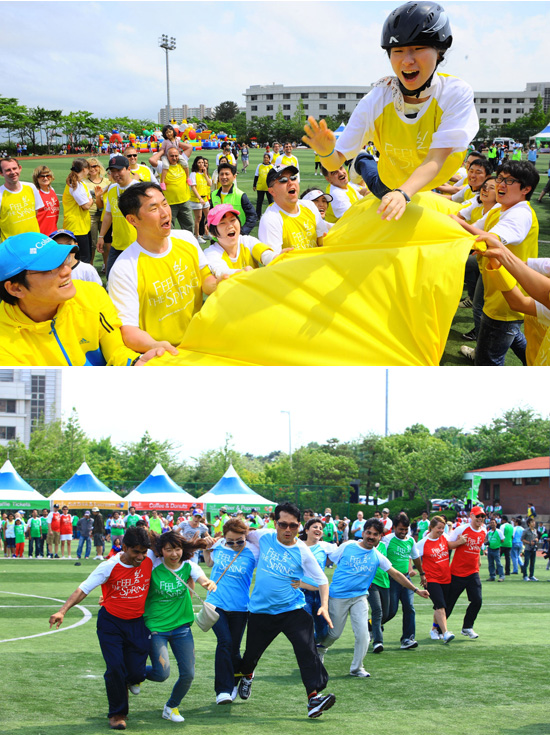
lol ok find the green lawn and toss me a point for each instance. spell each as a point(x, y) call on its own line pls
point(463, 320)
point(53, 685)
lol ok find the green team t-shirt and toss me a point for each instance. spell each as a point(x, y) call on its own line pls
point(117, 530)
point(168, 604)
point(399, 551)
point(19, 533)
point(508, 535)
point(493, 539)
point(381, 578)
point(155, 524)
point(131, 520)
point(44, 524)
point(35, 528)
point(422, 528)
point(75, 521)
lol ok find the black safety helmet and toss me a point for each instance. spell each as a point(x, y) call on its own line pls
point(423, 23)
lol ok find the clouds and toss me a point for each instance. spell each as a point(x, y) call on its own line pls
point(104, 57)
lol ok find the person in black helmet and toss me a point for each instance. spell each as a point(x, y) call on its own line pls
point(420, 120)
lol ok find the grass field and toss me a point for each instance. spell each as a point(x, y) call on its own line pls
point(495, 685)
point(463, 321)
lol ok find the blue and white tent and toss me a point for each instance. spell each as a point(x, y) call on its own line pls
point(233, 494)
point(16, 493)
point(339, 130)
point(544, 134)
point(84, 490)
point(160, 492)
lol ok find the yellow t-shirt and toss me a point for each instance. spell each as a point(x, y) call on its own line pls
point(124, 233)
point(18, 211)
point(177, 189)
point(202, 187)
point(159, 293)
point(262, 172)
point(143, 172)
point(351, 193)
point(299, 232)
point(249, 254)
point(288, 161)
point(75, 219)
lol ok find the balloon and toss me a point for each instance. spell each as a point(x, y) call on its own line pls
point(192, 134)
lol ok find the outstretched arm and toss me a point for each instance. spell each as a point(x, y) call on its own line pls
point(76, 598)
point(319, 137)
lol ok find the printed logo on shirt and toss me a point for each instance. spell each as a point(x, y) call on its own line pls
point(133, 585)
point(277, 562)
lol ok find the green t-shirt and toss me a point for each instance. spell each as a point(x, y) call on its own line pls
point(44, 524)
point(117, 530)
point(75, 520)
point(35, 528)
point(19, 529)
point(399, 552)
point(381, 578)
point(508, 535)
point(422, 528)
point(168, 604)
point(131, 520)
point(155, 524)
point(493, 539)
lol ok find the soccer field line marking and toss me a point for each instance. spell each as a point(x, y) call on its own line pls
point(87, 615)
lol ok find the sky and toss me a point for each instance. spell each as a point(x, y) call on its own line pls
point(196, 408)
point(104, 56)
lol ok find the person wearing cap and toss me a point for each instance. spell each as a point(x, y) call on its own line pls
point(321, 200)
point(86, 526)
point(177, 190)
point(99, 533)
point(256, 521)
point(46, 318)
point(421, 121)
point(387, 521)
point(465, 569)
point(54, 536)
point(232, 251)
point(19, 201)
point(81, 271)
point(229, 193)
point(124, 233)
point(260, 183)
point(194, 528)
point(157, 285)
point(342, 191)
point(290, 222)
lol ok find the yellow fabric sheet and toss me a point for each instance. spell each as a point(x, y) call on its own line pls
point(377, 293)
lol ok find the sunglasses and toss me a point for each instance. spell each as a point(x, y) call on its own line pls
point(240, 542)
point(131, 155)
point(286, 179)
point(44, 176)
point(284, 525)
point(481, 515)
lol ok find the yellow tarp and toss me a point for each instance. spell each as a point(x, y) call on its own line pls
point(377, 293)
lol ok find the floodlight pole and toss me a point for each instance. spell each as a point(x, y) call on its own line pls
point(289, 437)
point(168, 44)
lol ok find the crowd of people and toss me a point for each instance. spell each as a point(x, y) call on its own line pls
point(411, 134)
point(151, 572)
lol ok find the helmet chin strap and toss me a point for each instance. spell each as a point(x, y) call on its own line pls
point(415, 92)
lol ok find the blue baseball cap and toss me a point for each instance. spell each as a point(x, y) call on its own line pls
point(70, 234)
point(31, 251)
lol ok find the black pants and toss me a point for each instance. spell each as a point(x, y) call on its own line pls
point(297, 625)
point(37, 543)
point(260, 201)
point(507, 551)
point(472, 585)
point(84, 248)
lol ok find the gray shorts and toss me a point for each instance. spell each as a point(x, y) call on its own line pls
point(98, 539)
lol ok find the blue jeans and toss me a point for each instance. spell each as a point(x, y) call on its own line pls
point(183, 648)
point(367, 167)
point(493, 557)
point(379, 601)
point(530, 554)
point(478, 301)
point(495, 338)
point(313, 603)
point(516, 561)
point(88, 541)
point(229, 631)
point(405, 596)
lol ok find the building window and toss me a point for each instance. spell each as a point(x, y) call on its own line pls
point(341, 95)
point(483, 109)
point(6, 376)
point(322, 107)
point(286, 107)
point(38, 402)
point(254, 108)
point(323, 96)
point(254, 117)
point(483, 100)
point(7, 432)
point(495, 99)
point(496, 492)
point(517, 481)
point(507, 119)
point(306, 107)
point(519, 110)
point(494, 109)
point(287, 117)
point(359, 96)
point(269, 107)
point(253, 97)
point(7, 405)
point(305, 95)
point(507, 110)
point(286, 96)
point(507, 100)
point(322, 117)
point(483, 119)
point(494, 120)
point(342, 106)
point(269, 96)
point(486, 490)
point(520, 100)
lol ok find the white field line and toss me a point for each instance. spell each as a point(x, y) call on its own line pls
point(86, 616)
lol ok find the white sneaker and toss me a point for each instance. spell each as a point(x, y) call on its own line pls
point(97, 557)
point(172, 713)
point(135, 689)
point(360, 672)
point(435, 635)
point(69, 557)
point(409, 643)
point(224, 698)
point(234, 693)
point(468, 352)
point(448, 636)
point(533, 579)
point(469, 633)
point(201, 240)
point(378, 648)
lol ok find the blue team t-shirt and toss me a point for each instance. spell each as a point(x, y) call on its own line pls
point(233, 591)
point(320, 551)
point(356, 569)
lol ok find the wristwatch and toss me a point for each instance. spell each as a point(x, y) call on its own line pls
point(407, 197)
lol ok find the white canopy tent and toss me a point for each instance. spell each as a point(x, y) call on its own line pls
point(84, 490)
point(231, 493)
point(160, 492)
point(16, 493)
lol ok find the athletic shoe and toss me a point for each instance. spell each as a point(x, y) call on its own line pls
point(135, 688)
point(526, 579)
point(201, 240)
point(117, 722)
point(533, 579)
point(321, 650)
point(435, 635)
point(448, 636)
point(224, 698)
point(40, 556)
point(318, 704)
point(409, 643)
point(469, 633)
point(245, 685)
point(501, 579)
point(97, 557)
point(378, 648)
point(69, 557)
point(77, 564)
point(361, 673)
point(172, 713)
point(234, 693)
point(470, 336)
point(466, 303)
point(490, 579)
point(468, 352)
point(56, 556)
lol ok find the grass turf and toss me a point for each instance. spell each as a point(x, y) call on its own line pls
point(53, 685)
point(463, 321)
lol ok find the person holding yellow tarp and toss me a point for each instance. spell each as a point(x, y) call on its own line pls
point(421, 121)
